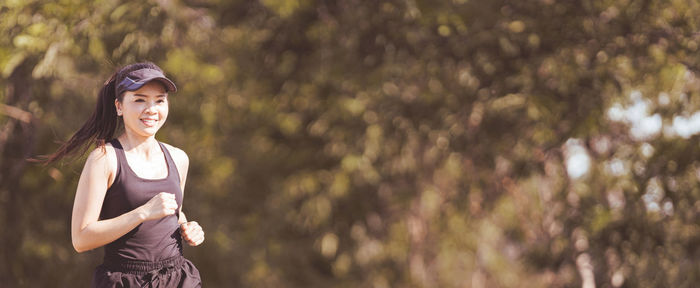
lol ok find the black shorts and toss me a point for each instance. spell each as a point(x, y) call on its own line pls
point(172, 272)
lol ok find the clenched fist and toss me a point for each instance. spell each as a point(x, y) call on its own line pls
point(159, 206)
point(192, 233)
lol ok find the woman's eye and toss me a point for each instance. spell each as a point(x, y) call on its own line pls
point(161, 101)
point(139, 100)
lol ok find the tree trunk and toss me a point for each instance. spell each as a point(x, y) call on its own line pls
point(16, 144)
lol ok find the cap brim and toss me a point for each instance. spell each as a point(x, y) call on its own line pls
point(136, 79)
point(169, 85)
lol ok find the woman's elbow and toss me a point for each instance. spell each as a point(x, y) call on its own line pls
point(78, 245)
point(78, 248)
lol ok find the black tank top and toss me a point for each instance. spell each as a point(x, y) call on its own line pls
point(152, 240)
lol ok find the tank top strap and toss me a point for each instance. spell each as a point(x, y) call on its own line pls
point(121, 157)
point(172, 168)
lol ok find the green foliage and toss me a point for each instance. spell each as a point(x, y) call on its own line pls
point(463, 143)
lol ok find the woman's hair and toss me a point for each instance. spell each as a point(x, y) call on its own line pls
point(104, 121)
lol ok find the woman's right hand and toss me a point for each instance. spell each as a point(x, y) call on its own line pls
point(159, 206)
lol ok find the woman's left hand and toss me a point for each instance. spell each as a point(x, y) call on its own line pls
point(192, 233)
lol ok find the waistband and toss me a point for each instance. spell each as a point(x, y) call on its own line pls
point(140, 267)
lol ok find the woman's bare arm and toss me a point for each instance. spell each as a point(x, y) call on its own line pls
point(191, 232)
point(182, 162)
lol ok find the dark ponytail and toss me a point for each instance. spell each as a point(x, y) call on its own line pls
point(104, 122)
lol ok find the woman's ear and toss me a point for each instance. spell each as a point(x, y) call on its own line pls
point(118, 106)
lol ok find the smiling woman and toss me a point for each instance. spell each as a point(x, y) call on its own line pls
point(130, 192)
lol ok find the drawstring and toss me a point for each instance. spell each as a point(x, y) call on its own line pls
point(156, 275)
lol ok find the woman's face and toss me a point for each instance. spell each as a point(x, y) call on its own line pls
point(144, 110)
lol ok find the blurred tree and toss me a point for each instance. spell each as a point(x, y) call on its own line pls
point(379, 143)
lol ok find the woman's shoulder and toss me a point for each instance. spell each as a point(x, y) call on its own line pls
point(178, 154)
point(103, 153)
point(103, 156)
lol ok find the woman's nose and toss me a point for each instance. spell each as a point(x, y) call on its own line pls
point(151, 107)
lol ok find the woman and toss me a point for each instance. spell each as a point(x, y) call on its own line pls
point(129, 196)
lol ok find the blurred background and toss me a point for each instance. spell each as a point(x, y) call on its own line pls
point(403, 143)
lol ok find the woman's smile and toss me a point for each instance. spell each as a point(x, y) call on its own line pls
point(149, 122)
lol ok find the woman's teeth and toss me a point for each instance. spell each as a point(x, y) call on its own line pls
point(149, 122)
